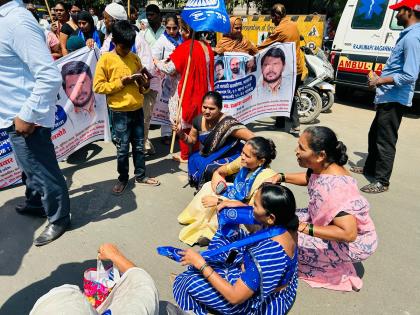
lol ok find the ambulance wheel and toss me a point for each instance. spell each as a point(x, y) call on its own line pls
point(309, 105)
point(327, 100)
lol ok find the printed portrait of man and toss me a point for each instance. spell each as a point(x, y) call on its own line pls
point(272, 66)
point(251, 65)
point(77, 84)
point(219, 69)
point(235, 68)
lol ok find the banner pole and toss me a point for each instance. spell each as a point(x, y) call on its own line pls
point(49, 11)
point(128, 10)
point(181, 97)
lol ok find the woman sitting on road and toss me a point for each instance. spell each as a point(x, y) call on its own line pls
point(336, 229)
point(261, 279)
point(219, 136)
point(251, 169)
point(88, 30)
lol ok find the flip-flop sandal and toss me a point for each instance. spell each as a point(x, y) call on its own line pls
point(119, 188)
point(356, 169)
point(374, 188)
point(148, 181)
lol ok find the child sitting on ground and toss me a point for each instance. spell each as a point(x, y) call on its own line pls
point(119, 75)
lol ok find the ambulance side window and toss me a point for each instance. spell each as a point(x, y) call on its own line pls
point(394, 26)
point(369, 14)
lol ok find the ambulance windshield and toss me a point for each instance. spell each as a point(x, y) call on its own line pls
point(369, 14)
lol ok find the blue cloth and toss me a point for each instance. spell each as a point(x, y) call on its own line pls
point(95, 37)
point(174, 41)
point(242, 184)
point(45, 185)
point(200, 168)
point(267, 267)
point(404, 66)
point(206, 15)
point(29, 78)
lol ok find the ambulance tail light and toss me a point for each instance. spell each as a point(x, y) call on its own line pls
point(333, 54)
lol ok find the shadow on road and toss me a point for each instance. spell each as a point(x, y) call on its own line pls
point(89, 203)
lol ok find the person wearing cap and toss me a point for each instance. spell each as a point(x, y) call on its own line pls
point(113, 12)
point(394, 93)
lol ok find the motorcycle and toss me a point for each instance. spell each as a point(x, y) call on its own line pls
point(320, 76)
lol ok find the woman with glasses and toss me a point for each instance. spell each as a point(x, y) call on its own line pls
point(161, 50)
point(235, 41)
point(70, 27)
point(336, 229)
point(262, 277)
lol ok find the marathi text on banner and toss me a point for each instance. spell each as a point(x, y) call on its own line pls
point(81, 116)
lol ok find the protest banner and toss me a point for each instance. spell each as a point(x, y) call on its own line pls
point(257, 86)
point(252, 87)
point(81, 116)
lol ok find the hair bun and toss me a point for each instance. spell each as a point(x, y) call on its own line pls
point(341, 153)
point(273, 151)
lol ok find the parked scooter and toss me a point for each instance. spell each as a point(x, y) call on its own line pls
point(321, 76)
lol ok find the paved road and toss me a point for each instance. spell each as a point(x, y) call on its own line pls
point(144, 218)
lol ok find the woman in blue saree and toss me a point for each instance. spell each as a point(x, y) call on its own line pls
point(261, 279)
point(220, 138)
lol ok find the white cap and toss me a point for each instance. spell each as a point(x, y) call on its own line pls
point(117, 11)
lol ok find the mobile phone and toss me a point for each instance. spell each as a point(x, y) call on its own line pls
point(146, 72)
point(221, 187)
point(136, 76)
point(231, 257)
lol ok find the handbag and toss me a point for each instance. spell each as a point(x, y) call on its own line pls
point(98, 282)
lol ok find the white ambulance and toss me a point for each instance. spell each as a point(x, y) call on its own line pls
point(365, 36)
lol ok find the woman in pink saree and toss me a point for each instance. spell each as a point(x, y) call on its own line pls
point(336, 230)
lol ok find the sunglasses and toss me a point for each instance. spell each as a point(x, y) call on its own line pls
point(173, 28)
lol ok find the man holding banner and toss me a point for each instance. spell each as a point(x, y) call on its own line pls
point(29, 85)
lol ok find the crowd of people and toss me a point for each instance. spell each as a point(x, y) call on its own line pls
point(251, 269)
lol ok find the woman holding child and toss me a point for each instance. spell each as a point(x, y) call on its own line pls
point(336, 229)
point(261, 279)
point(251, 169)
point(220, 138)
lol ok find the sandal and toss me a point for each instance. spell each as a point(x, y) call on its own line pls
point(119, 187)
point(179, 159)
point(357, 169)
point(148, 181)
point(374, 188)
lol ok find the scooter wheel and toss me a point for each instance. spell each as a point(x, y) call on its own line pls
point(327, 100)
point(309, 105)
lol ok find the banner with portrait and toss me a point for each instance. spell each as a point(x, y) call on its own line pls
point(257, 86)
point(81, 116)
point(252, 87)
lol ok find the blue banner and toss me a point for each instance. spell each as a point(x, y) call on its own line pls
point(206, 15)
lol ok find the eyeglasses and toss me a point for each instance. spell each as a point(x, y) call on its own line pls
point(173, 28)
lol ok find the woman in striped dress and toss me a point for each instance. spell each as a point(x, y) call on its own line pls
point(261, 279)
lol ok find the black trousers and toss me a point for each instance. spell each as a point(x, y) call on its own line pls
point(294, 115)
point(45, 185)
point(382, 141)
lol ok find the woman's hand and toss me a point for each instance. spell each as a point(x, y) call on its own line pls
point(230, 204)
point(177, 128)
point(209, 201)
point(191, 257)
point(90, 43)
point(274, 179)
point(216, 179)
point(108, 251)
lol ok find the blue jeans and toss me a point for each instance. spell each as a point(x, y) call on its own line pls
point(45, 184)
point(128, 128)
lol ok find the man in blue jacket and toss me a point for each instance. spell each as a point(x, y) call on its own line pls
point(394, 93)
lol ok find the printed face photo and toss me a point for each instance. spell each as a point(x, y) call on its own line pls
point(79, 88)
point(220, 71)
point(272, 69)
point(235, 65)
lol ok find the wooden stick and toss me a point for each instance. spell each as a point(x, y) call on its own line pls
point(128, 10)
point(49, 11)
point(181, 97)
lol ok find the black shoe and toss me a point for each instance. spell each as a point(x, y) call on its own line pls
point(25, 210)
point(52, 232)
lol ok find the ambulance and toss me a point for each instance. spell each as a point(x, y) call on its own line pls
point(364, 39)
